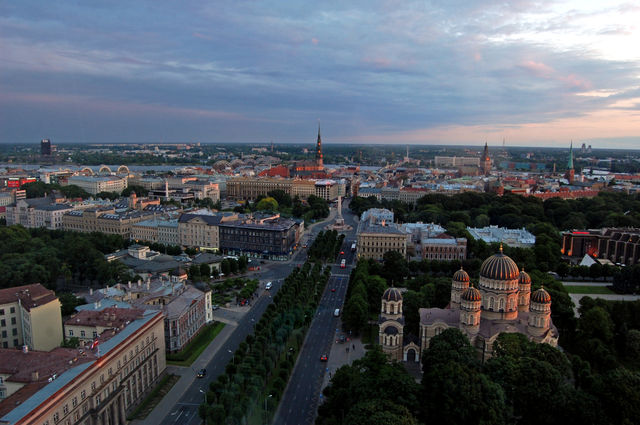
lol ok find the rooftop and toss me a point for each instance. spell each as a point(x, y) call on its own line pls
point(30, 296)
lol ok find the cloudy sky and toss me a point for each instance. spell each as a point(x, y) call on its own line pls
point(442, 72)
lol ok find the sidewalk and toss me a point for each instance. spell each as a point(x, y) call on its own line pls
point(339, 356)
point(187, 377)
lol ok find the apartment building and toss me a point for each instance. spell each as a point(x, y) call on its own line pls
point(376, 239)
point(266, 237)
point(200, 228)
point(156, 230)
point(103, 219)
point(30, 316)
point(37, 212)
point(99, 383)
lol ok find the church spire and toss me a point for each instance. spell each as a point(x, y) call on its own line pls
point(570, 163)
point(319, 149)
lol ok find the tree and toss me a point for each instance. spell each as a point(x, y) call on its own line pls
point(355, 314)
point(395, 267)
point(205, 271)
point(267, 204)
point(225, 267)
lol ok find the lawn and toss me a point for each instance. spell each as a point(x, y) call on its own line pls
point(191, 352)
point(579, 289)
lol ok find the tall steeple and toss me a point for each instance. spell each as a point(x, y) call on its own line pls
point(570, 171)
point(319, 163)
point(485, 161)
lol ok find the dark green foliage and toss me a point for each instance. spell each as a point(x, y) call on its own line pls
point(55, 256)
point(370, 380)
point(262, 363)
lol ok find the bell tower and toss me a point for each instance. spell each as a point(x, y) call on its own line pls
point(319, 163)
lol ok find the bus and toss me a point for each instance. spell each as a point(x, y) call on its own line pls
point(353, 247)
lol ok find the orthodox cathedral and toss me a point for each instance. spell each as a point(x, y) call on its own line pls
point(503, 302)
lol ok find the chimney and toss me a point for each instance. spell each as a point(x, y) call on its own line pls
point(139, 282)
point(129, 283)
point(25, 349)
point(96, 305)
point(90, 291)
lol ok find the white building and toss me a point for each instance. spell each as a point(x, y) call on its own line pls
point(97, 184)
point(512, 237)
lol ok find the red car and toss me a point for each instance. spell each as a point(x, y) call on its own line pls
point(324, 358)
point(333, 289)
point(341, 252)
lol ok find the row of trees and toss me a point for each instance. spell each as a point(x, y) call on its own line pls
point(326, 246)
point(262, 363)
point(314, 208)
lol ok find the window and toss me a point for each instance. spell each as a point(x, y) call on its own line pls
point(74, 402)
point(3, 322)
point(98, 400)
point(82, 334)
point(56, 418)
point(14, 331)
point(15, 343)
point(4, 334)
point(70, 332)
point(83, 394)
point(65, 409)
point(12, 310)
point(13, 320)
point(95, 334)
point(1, 311)
point(93, 385)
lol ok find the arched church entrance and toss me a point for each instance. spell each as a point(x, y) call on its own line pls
point(411, 355)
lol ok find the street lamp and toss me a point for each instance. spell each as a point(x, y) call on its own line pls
point(266, 412)
point(205, 405)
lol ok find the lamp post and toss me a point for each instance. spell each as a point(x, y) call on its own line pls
point(266, 412)
point(205, 405)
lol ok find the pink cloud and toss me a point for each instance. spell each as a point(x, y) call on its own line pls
point(542, 70)
point(314, 41)
point(538, 68)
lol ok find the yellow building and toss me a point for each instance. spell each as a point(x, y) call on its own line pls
point(376, 239)
point(95, 385)
point(103, 219)
point(30, 315)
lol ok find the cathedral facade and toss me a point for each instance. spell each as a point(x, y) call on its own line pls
point(502, 302)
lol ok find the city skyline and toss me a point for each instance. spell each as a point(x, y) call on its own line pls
point(530, 73)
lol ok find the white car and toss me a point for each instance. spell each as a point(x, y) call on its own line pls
point(268, 285)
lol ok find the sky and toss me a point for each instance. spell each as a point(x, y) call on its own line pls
point(531, 73)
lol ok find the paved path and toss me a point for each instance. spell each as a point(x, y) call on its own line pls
point(587, 283)
point(187, 377)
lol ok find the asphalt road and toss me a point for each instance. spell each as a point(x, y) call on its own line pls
point(300, 401)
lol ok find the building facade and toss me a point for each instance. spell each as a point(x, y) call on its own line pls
point(376, 239)
point(30, 315)
point(103, 219)
point(621, 245)
point(96, 385)
point(97, 184)
point(271, 237)
point(37, 212)
point(201, 228)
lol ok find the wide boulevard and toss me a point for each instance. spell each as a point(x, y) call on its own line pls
point(185, 410)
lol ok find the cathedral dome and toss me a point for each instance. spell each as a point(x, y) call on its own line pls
point(461, 276)
point(524, 279)
point(499, 267)
point(471, 294)
point(392, 294)
point(541, 296)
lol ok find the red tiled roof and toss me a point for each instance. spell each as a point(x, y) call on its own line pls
point(30, 296)
point(111, 317)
